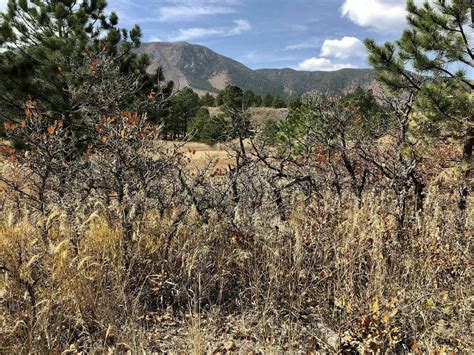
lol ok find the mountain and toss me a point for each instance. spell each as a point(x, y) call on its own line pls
point(207, 71)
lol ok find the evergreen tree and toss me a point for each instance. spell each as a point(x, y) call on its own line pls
point(432, 58)
point(208, 100)
point(234, 108)
point(208, 129)
point(249, 98)
point(184, 107)
point(48, 46)
point(294, 103)
point(232, 98)
point(278, 102)
point(267, 100)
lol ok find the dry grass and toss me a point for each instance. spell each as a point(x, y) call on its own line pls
point(330, 276)
point(199, 154)
point(324, 280)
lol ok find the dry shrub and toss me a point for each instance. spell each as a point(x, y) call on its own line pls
point(140, 243)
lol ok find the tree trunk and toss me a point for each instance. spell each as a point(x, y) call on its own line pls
point(466, 187)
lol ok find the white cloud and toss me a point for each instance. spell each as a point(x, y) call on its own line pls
point(240, 27)
point(303, 45)
point(154, 39)
point(343, 48)
point(183, 10)
point(188, 34)
point(383, 15)
point(196, 32)
point(181, 13)
point(321, 64)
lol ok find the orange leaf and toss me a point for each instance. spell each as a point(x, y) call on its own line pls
point(51, 130)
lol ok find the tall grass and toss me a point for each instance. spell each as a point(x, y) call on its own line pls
point(332, 277)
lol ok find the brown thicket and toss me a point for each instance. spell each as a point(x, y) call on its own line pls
point(350, 245)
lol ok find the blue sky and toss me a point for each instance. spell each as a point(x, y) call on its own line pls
point(300, 34)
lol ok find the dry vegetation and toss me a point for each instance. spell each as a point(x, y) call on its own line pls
point(345, 227)
point(139, 252)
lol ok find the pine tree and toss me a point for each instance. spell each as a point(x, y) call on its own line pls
point(267, 100)
point(47, 45)
point(249, 98)
point(208, 100)
point(208, 129)
point(278, 102)
point(433, 58)
point(232, 98)
point(184, 106)
point(294, 103)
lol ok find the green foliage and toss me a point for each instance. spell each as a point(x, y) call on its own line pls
point(234, 106)
point(250, 99)
point(47, 51)
point(183, 107)
point(73, 62)
point(267, 100)
point(327, 119)
point(432, 58)
point(236, 98)
point(231, 98)
point(208, 100)
point(208, 129)
point(278, 102)
point(270, 131)
point(294, 103)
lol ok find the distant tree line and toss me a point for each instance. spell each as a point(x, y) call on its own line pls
point(188, 114)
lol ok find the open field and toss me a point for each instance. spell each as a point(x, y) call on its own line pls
point(200, 154)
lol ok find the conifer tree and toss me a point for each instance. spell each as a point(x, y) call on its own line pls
point(208, 100)
point(267, 100)
point(278, 102)
point(434, 58)
point(47, 46)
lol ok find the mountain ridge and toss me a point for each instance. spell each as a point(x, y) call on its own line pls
point(204, 70)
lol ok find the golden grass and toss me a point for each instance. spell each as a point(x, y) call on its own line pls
point(325, 280)
point(199, 154)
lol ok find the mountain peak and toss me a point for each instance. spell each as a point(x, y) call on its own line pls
point(207, 71)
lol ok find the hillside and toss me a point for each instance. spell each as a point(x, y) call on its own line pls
point(205, 70)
